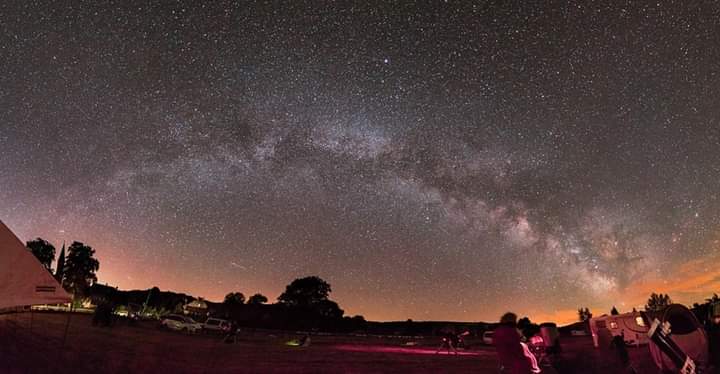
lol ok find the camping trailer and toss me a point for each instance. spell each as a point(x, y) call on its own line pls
point(631, 325)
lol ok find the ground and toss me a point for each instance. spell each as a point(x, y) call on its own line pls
point(34, 343)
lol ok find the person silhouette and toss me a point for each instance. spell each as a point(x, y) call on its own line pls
point(449, 342)
point(510, 351)
point(231, 336)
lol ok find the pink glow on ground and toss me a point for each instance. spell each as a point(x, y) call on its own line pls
point(404, 350)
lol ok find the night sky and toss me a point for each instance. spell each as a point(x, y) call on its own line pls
point(442, 160)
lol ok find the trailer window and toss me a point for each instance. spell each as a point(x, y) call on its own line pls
point(613, 325)
point(639, 321)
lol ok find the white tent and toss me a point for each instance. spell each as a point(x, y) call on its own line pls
point(23, 279)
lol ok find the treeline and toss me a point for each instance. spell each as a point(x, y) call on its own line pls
point(256, 313)
point(428, 328)
point(152, 302)
point(305, 305)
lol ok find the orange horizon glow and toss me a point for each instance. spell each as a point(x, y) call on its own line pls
point(694, 281)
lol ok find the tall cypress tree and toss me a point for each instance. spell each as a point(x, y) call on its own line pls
point(60, 270)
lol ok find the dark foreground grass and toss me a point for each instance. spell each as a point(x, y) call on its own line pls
point(36, 345)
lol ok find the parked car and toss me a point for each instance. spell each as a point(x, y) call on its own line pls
point(216, 325)
point(487, 337)
point(180, 323)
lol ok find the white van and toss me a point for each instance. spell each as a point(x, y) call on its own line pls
point(216, 325)
point(180, 323)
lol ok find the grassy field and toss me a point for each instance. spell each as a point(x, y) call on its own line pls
point(35, 344)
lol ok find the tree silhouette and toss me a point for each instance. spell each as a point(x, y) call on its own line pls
point(234, 298)
point(257, 299)
point(60, 269)
point(328, 309)
point(584, 314)
point(306, 291)
point(80, 268)
point(43, 250)
point(657, 302)
point(614, 311)
point(152, 298)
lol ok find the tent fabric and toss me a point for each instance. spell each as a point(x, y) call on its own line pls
point(23, 279)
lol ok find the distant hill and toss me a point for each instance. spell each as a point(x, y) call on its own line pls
point(427, 328)
point(276, 316)
point(579, 326)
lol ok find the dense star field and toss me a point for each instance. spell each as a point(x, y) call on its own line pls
point(447, 161)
